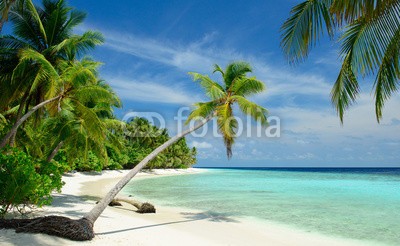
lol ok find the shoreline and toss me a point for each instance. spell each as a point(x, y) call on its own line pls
point(174, 225)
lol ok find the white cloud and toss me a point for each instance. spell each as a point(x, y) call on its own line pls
point(201, 145)
point(308, 127)
point(148, 91)
point(200, 55)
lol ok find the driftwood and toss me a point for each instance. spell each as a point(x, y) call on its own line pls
point(142, 208)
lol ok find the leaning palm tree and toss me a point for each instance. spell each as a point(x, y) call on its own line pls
point(236, 87)
point(234, 90)
point(370, 42)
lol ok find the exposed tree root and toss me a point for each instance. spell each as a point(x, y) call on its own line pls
point(77, 230)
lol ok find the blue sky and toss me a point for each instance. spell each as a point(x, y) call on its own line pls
point(152, 45)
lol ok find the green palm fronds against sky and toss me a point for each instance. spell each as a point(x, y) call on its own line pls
point(369, 36)
point(235, 88)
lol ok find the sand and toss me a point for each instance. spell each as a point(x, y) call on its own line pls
point(169, 226)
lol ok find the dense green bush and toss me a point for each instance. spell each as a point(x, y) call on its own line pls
point(89, 163)
point(24, 181)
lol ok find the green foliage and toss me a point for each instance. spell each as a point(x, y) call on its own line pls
point(25, 181)
point(369, 34)
point(142, 138)
point(89, 163)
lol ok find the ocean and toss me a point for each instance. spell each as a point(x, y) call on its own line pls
point(356, 203)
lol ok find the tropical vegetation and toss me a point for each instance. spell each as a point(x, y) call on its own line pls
point(369, 36)
point(56, 113)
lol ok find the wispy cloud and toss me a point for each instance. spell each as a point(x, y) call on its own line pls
point(308, 133)
point(201, 145)
point(146, 90)
point(200, 55)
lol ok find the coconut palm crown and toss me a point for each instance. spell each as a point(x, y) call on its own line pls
point(369, 34)
point(235, 88)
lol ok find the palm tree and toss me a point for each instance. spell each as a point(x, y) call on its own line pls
point(77, 85)
point(235, 88)
point(370, 43)
point(47, 31)
point(86, 125)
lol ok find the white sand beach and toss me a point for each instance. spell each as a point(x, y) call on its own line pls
point(169, 226)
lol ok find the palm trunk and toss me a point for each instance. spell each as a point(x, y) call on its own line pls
point(23, 119)
point(94, 214)
point(19, 114)
point(54, 152)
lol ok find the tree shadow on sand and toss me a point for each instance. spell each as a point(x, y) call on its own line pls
point(189, 217)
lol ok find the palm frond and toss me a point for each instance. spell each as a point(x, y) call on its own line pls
point(257, 112)
point(56, 14)
point(368, 39)
point(345, 89)
point(76, 17)
point(247, 87)
point(217, 68)
point(80, 73)
point(387, 79)
point(90, 121)
point(92, 93)
point(36, 18)
point(213, 90)
point(304, 28)
point(46, 72)
point(350, 11)
point(79, 44)
point(235, 71)
point(9, 42)
point(203, 110)
point(28, 24)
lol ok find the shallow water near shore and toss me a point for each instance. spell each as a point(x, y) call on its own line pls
point(351, 203)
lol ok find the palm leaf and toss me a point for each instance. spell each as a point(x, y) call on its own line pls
point(345, 89)
point(304, 28)
point(213, 90)
point(79, 44)
point(351, 10)
point(46, 72)
point(203, 110)
point(235, 71)
point(247, 87)
point(367, 40)
point(387, 80)
point(93, 93)
point(256, 111)
point(90, 121)
point(217, 68)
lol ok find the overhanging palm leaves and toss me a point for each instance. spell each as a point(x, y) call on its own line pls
point(369, 44)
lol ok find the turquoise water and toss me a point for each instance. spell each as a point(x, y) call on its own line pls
point(358, 204)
